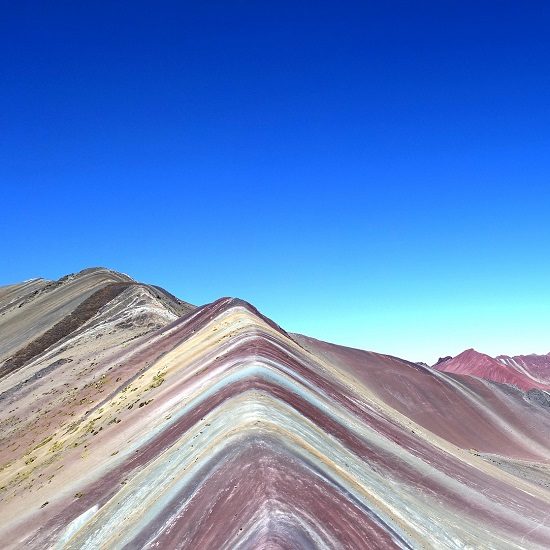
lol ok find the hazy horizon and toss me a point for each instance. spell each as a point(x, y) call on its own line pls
point(378, 340)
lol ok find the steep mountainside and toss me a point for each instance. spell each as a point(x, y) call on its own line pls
point(40, 315)
point(149, 423)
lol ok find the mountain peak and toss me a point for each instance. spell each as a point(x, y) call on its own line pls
point(524, 372)
point(159, 398)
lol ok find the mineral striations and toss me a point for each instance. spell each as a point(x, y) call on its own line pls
point(131, 419)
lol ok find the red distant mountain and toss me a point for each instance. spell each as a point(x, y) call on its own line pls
point(131, 418)
point(524, 371)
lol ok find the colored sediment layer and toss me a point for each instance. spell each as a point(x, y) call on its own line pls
point(217, 429)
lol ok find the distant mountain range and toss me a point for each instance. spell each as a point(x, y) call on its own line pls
point(132, 419)
point(523, 371)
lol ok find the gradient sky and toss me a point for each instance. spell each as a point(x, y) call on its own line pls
point(371, 173)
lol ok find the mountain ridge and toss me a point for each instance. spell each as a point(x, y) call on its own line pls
point(525, 372)
point(217, 428)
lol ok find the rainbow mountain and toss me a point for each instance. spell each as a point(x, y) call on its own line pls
point(132, 419)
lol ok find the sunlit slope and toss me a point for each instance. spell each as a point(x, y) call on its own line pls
point(220, 430)
point(523, 371)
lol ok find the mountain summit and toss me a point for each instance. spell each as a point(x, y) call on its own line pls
point(133, 419)
point(523, 371)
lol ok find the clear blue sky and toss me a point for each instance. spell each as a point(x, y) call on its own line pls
point(370, 173)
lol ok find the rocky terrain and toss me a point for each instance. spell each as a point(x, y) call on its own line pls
point(130, 418)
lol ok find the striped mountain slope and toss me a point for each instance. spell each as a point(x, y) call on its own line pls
point(214, 428)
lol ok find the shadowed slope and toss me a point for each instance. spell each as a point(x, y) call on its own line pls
point(26, 310)
point(75, 319)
